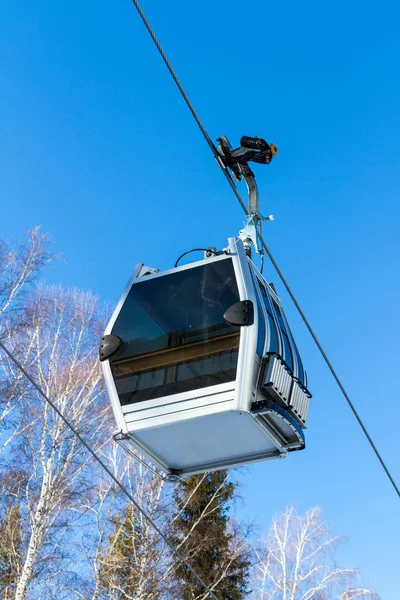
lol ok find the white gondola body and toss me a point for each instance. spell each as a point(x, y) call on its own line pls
point(228, 397)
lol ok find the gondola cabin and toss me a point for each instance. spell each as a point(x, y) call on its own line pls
point(201, 366)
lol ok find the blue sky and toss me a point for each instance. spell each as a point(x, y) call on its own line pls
point(98, 148)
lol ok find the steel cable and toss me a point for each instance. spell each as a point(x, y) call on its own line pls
point(188, 103)
point(106, 469)
point(328, 363)
point(267, 250)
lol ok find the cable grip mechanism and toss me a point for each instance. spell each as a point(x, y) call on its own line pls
point(251, 149)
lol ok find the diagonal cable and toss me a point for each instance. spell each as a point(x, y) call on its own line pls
point(328, 363)
point(267, 250)
point(189, 104)
point(106, 469)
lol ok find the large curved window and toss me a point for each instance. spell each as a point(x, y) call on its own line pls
point(174, 336)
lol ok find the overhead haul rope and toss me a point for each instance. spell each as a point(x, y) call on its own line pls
point(267, 250)
point(188, 103)
point(106, 469)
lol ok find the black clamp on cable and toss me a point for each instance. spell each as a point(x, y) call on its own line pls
point(251, 149)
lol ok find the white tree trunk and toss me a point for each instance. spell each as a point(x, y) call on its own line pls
point(38, 525)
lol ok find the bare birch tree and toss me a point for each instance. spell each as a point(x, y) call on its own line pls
point(59, 348)
point(296, 562)
point(111, 520)
point(124, 553)
point(20, 263)
point(134, 564)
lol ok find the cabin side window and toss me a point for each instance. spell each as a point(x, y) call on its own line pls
point(300, 369)
point(289, 345)
point(288, 356)
point(261, 319)
point(273, 344)
point(174, 336)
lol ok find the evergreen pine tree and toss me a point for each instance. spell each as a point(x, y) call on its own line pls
point(203, 533)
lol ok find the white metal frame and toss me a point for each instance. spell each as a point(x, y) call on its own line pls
point(236, 396)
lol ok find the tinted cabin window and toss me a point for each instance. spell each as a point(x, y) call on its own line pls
point(300, 367)
point(288, 357)
point(273, 345)
point(261, 321)
point(175, 337)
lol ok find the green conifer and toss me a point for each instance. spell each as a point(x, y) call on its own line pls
point(202, 530)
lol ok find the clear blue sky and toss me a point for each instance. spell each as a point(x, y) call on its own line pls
point(98, 148)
